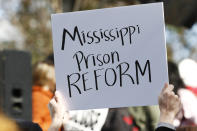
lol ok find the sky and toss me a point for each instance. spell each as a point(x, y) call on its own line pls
point(8, 6)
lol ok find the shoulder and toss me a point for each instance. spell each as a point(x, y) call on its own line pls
point(28, 125)
point(164, 129)
point(38, 93)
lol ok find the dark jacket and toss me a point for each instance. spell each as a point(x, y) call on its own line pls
point(28, 125)
point(164, 129)
point(119, 119)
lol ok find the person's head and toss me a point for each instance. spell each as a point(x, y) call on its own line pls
point(188, 72)
point(174, 77)
point(50, 58)
point(7, 124)
point(44, 75)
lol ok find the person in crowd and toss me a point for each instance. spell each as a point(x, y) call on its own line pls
point(119, 119)
point(169, 105)
point(7, 124)
point(174, 77)
point(25, 125)
point(188, 95)
point(147, 117)
point(42, 92)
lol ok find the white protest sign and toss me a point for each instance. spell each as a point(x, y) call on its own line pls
point(112, 57)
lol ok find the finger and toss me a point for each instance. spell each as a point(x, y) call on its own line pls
point(61, 100)
point(169, 88)
point(57, 92)
point(52, 102)
point(59, 97)
point(165, 87)
point(176, 96)
point(51, 106)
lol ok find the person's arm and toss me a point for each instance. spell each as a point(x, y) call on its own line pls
point(169, 105)
point(58, 112)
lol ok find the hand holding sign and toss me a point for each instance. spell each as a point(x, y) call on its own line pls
point(169, 104)
point(105, 57)
point(58, 112)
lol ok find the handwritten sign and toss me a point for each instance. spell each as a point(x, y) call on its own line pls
point(112, 57)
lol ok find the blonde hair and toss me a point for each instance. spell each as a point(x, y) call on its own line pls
point(43, 74)
point(7, 124)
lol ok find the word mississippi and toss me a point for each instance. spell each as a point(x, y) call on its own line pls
point(97, 36)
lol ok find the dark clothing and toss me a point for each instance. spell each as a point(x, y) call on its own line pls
point(164, 129)
point(28, 125)
point(146, 117)
point(119, 119)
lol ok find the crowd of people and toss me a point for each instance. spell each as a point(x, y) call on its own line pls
point(176, 110)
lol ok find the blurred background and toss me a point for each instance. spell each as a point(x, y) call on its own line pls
point(25, 24)
point(26, 38)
